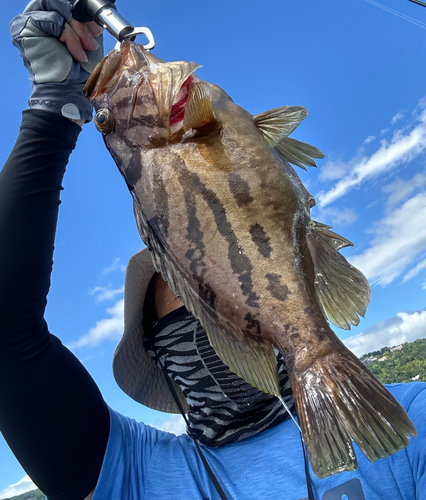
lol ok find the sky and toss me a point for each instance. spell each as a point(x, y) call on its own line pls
point(357, 65)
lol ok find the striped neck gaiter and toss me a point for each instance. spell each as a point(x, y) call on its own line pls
point(223, 408)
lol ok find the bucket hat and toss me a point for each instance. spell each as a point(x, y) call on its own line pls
point(134, 370)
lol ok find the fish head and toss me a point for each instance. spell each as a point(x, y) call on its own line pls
point(139, 99)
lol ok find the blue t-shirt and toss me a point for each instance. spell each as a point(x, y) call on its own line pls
point(142, 462)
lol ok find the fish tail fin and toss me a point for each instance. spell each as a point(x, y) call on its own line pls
point(338, 400)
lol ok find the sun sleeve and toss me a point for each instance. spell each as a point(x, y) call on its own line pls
point(52, 414)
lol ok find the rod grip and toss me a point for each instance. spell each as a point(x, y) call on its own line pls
point(88, 10)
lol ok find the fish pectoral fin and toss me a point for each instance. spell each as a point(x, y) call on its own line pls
point(252, 360)
point(278, 123)
point(298, 153)
point(199, 107)
point(342, 291)
point(333, 238)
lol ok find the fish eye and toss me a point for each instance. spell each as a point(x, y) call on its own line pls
point(104, 121)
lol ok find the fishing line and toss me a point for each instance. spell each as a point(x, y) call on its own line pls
point(398, 14)
point(289, 412)
point(305, 459)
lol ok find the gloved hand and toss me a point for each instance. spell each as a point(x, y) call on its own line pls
point(60, 53)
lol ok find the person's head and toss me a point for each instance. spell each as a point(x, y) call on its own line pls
point(165, 300)
point(222, 408)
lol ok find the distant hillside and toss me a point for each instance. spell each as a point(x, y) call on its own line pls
point(402, 363)
point(30, 495)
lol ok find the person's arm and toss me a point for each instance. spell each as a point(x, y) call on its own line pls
point(51, 412)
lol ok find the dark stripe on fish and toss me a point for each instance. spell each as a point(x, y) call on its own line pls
point(133, 171)
point(240, 189)
point(240, 263)
point(160, 195)
point(261, 239)
point(194, 236)
point(291, 331)
point(277, 289)
point(146, 121)
point(252, 325)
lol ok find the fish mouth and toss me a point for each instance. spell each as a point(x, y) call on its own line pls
point(106, 74)
point(169, 82)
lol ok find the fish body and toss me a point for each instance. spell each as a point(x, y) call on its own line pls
point(228, 223)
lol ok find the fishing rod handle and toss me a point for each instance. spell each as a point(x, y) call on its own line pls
point(104, 12)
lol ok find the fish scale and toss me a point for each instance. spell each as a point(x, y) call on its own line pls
point(227, 220)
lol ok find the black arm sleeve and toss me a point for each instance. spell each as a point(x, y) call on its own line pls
point(51, 412)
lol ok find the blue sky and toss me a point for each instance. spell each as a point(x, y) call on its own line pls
point(358, 68)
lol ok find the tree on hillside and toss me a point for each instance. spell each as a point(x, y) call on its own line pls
point(29, 495)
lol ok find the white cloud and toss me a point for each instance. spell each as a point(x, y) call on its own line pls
point(22, 486)
point(404, 327)
point(333, 170)
point(116, 266)
point(106, 329)
point(175, 424)
point(400, 190)
point(105, 293)
point(398, 238)
point(402, 148)
point(415, 271)
point(369, 139)
point(336, 216)
point(397, 117)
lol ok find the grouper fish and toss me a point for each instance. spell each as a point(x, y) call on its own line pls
point(228, 223)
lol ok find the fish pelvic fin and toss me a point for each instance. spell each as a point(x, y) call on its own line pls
point(199, 107)
point(342, 291)
point(336, 240)
point(251, 359)
point(338, 400)
point(277, 124)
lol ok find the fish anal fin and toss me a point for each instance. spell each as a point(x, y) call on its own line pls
point(199, 107)
point(339, 400)
point(333, 238)
point(278, 123)
point(342, 291)
point(251, 359)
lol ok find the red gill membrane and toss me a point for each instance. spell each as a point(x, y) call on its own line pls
point(178, 109)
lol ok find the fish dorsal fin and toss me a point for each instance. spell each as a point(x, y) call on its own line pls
point(333, 238)
point(298, 153)
point(199, 107)
point(342, 290)
point(279, 123)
